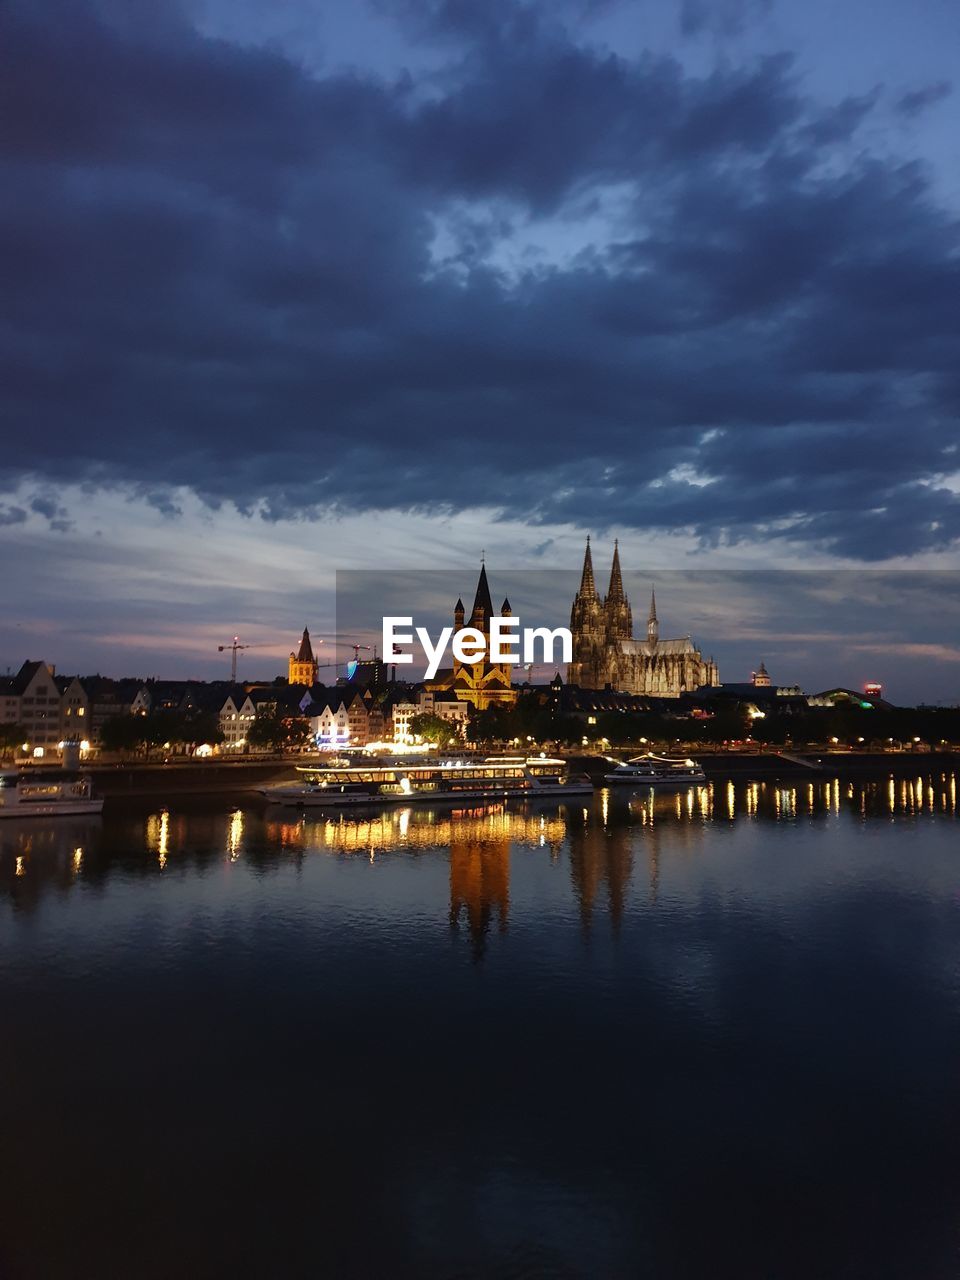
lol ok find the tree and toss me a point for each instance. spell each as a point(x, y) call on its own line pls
point(279, 733)
point(11, 737)
point(494, 724)
point(433, 728)
point(123, 733)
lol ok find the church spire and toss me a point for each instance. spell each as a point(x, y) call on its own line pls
point(615, 593)
point(305, 653)
point(482, 602)
point(653, 626)
point(587, 585)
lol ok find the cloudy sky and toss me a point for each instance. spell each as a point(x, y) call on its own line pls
point(294, 287)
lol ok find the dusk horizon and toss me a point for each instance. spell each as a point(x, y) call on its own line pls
point(480, 644)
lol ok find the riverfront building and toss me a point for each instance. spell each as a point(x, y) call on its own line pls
point(605, 653)
point(482, 683)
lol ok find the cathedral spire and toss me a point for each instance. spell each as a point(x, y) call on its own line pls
point(653, 626)
point(587, 585)
point(615, 593)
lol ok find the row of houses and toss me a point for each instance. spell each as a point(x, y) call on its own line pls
point(51, 709)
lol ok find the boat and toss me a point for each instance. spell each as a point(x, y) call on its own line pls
point(46, 794)
point(380, 782)
point(655, 771)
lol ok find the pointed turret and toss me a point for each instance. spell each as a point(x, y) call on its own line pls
point(615, 592)
point(302, 667)
point(653, 626)
point(458, 612)
point(587, 585)
point(305, 653)
point(616, 606)
point(505, 610)
point(482, 604)
point(586, 625)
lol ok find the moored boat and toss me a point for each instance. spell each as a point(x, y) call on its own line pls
point(46, 794)
point(403, 782)
point(655, 771)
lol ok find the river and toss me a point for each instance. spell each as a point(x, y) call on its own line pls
point(699, 1034)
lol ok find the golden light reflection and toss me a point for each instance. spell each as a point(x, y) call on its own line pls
point(753, 798)
point(158, 835)
point(235, 835)
point(705, 797)
point(426, 829)
point(416, 828)
point(608, 833)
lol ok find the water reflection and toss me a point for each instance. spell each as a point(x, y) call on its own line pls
point(479, 880)
point(602, 836)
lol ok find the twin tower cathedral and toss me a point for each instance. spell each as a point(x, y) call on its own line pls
point(606, 654)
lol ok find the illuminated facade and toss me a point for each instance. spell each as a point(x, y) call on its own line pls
point(481, 683)
point(302, 667)
point(606, 654)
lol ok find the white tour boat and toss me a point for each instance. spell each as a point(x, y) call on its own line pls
point(403, 782)
point(46, 793)
point(655, 771)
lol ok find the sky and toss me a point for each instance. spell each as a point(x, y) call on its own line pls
point(301, 287)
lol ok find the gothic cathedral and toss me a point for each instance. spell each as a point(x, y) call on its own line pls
point(606, 654)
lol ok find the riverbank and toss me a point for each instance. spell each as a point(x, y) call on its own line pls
point(201, 777)
point(793, 764)
point(246, 778)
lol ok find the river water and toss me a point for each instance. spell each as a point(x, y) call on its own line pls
point(700, 1034)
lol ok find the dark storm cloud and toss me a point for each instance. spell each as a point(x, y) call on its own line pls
point(222, 273)
point(722, 17)
point(911, 104)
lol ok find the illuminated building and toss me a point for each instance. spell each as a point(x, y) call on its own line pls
point(482, 683)
point(761, 677)
point(606, 654)
point(31, 699)
point(302, 667)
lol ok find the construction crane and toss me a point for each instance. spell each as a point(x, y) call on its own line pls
point(356, 656)
point(235, 649)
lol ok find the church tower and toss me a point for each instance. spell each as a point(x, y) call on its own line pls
point(616, 606)
point(302, 667)
point(587, 630)
point(605, 654)
point(653, 626)
point(482, 682)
